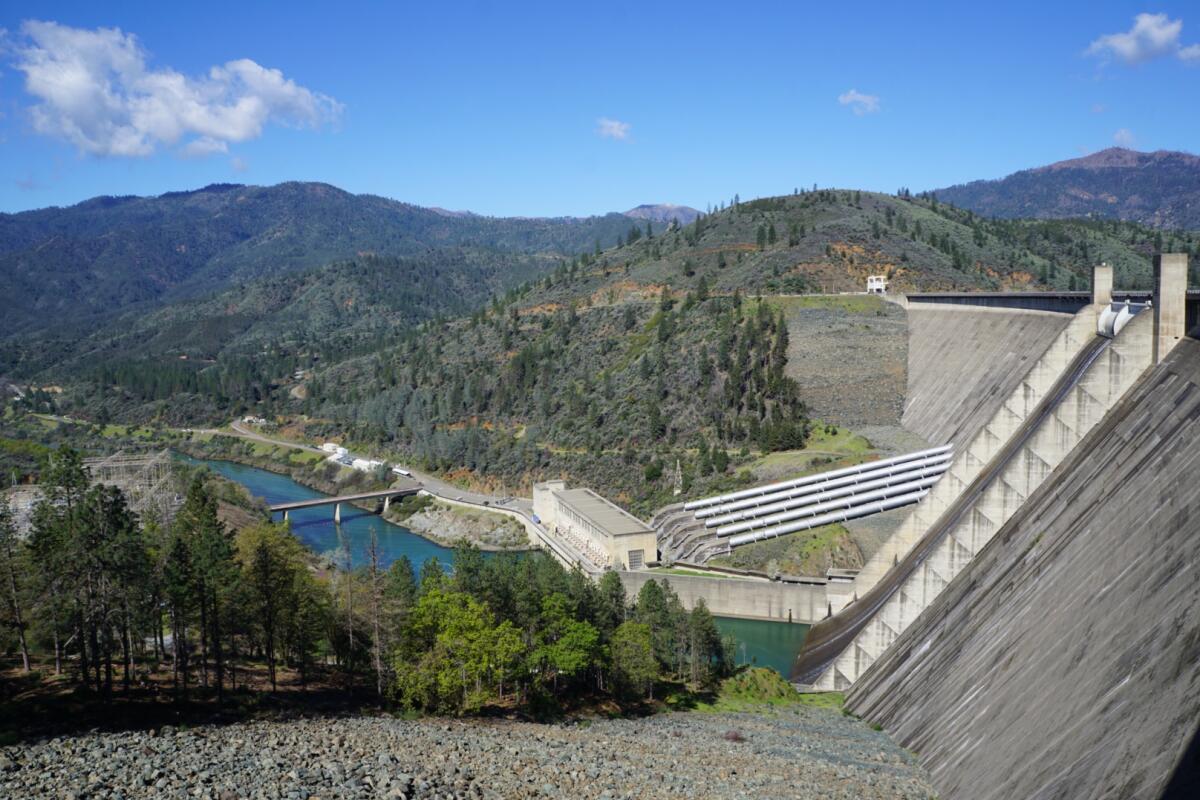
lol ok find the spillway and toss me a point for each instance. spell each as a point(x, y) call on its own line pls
point(830, 638)
point(1064, 661)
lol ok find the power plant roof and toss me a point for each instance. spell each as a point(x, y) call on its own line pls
point(606, 515)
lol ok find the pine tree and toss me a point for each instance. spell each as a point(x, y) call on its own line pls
point(9, 570)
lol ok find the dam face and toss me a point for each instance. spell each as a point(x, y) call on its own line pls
point(1053, 405)
point(964, 361)
point(1064, 661)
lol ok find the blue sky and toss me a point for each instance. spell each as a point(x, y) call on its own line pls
point(561, 108)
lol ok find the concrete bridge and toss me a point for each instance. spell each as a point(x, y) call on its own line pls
point(387, 495)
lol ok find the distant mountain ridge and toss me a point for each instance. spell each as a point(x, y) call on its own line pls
point(1160, 189)
point(71, 266)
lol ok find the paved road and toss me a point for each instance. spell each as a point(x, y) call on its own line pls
point(430, 483)
point(241, 430)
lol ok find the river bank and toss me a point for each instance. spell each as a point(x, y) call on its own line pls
point(490, 532)
point(449, 525)
point(770, 644)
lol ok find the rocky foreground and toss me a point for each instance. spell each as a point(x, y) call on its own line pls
point(791, 753)
point(800, 752)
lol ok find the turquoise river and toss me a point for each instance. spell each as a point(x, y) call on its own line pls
point(768, 644)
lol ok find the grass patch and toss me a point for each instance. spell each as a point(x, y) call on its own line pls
point(837, 439)
point(303, 457)
point(801, 553)
point(128, 432)
point(831, 700)
point(829, 447)
point(849, 303)
point(754, 688)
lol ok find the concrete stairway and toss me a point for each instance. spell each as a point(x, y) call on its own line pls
point(987, 442)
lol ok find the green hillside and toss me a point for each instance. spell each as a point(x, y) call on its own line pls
point(609, 369)
point(272, 326)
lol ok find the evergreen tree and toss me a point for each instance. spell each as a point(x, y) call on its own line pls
point(12, 571)
point(634, 665)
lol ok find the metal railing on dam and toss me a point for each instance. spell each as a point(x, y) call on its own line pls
point(1061, 302)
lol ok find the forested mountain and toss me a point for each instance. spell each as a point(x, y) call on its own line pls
point(607, 367)
point(69, 267)
point(1159, 189)
point(259, 330)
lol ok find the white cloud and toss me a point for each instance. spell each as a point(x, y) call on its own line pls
point(1124, 137)
point(238, 164)
point(859, 102)
point(612, 128)
point(1099, 108)
point(95, 90)
point(204, 146)
point(1152, 36)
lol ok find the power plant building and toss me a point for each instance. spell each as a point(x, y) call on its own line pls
point(608, 535)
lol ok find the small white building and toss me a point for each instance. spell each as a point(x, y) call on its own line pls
point(877, 284)
point(366, 464)
point(331, 447)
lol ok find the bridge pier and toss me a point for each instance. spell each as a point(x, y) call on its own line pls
point(387, 502)
point(337, 513)
point(285, 516)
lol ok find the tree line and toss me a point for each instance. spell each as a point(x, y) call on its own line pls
point(121, 604)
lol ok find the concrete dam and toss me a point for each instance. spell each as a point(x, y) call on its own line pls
point(1032, 627)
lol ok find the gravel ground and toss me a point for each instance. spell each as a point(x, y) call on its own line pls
point(796, 752)
point(852, 368)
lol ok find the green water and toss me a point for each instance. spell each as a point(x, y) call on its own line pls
point(767, 644)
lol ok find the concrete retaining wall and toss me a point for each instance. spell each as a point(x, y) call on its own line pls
point(739, 597)
point(1064, 661)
